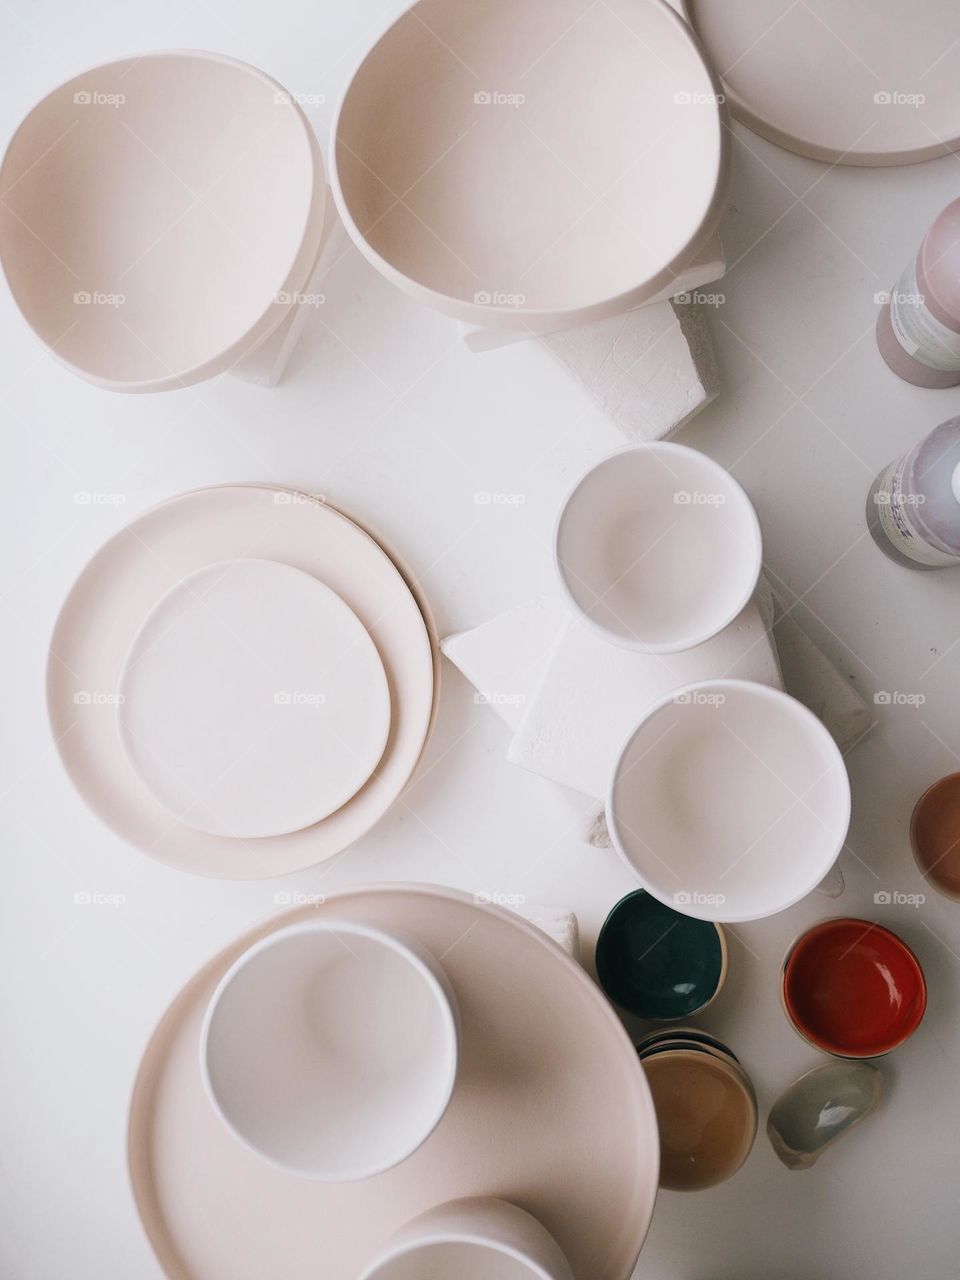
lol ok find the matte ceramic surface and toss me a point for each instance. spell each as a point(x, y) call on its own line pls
point(851, 83)
point(122, 583)
point(853, 988)
point(158, 214)
point(706, 1115)
point(330, 1049)
point(730, 801)
point(547, 1078)
point(658, 547)
point(819, 1108)
point(471, 1239)
point(515, 185)
point(935, 835)
point(253, 702)
point(657, 963)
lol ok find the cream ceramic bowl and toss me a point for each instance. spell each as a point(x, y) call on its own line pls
point(532, 164)
point(730, 801)
point(331, 1049)
point(658, 548)
point(472, 1239)
point(158, 216)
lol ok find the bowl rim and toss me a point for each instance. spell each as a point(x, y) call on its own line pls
point(402, 946)
point(803, 716)
point(663, 1018)
point(806, 1034)
point(273, 316)
point(668, 448)
point(928, 873)
point(615, 304)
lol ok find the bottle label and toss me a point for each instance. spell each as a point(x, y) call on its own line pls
point(918, 331)
point(896, 511)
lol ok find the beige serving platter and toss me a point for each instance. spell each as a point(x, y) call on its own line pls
point(551, 1111)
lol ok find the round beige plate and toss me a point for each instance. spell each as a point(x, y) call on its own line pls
point(863, 82)
point(551, 1111)
point(253, 702)
point(123, 582)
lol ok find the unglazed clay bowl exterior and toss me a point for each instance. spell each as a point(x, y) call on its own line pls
point(158, 216)
point(657, 963)
point(853, 988)
point(730, 801)
point(706, 1116)
point(331, 1049)
point(658, 548)
point(516, 187)
point(935, 836)
point(472, 1239)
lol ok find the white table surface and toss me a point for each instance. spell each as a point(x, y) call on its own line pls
point(385, 411)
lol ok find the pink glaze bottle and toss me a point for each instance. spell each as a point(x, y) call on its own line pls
point(918, 330)
point(913, 509)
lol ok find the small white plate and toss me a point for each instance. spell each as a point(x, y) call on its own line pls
point(253, 702)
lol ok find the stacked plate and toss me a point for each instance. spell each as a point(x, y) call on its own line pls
point(242, 681)
point(706, 1107)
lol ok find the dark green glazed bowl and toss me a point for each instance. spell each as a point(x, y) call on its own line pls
point(658, 963)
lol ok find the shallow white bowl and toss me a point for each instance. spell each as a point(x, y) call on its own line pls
point(331, 1049)
point(158, 215)
point(730, 800)
point(658, 547)
point(472, 1239)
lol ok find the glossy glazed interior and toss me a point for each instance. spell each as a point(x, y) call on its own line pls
point(706, 1116)
point(657, 963)
point(853, 988)
point(935, 835)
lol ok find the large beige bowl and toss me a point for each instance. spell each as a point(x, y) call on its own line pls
point(528, 163)
point(158, 216)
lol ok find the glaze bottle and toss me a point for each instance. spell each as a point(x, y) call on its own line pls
point(918, 330)
point(913, 509)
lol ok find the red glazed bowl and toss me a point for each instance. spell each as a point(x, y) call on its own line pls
point(853, 988)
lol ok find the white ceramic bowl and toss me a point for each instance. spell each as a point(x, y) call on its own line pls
point(516, 185)
point(331, 1049)
point(473, 1239)
point(158, 216)
point(658, 547)
point(730, 800)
